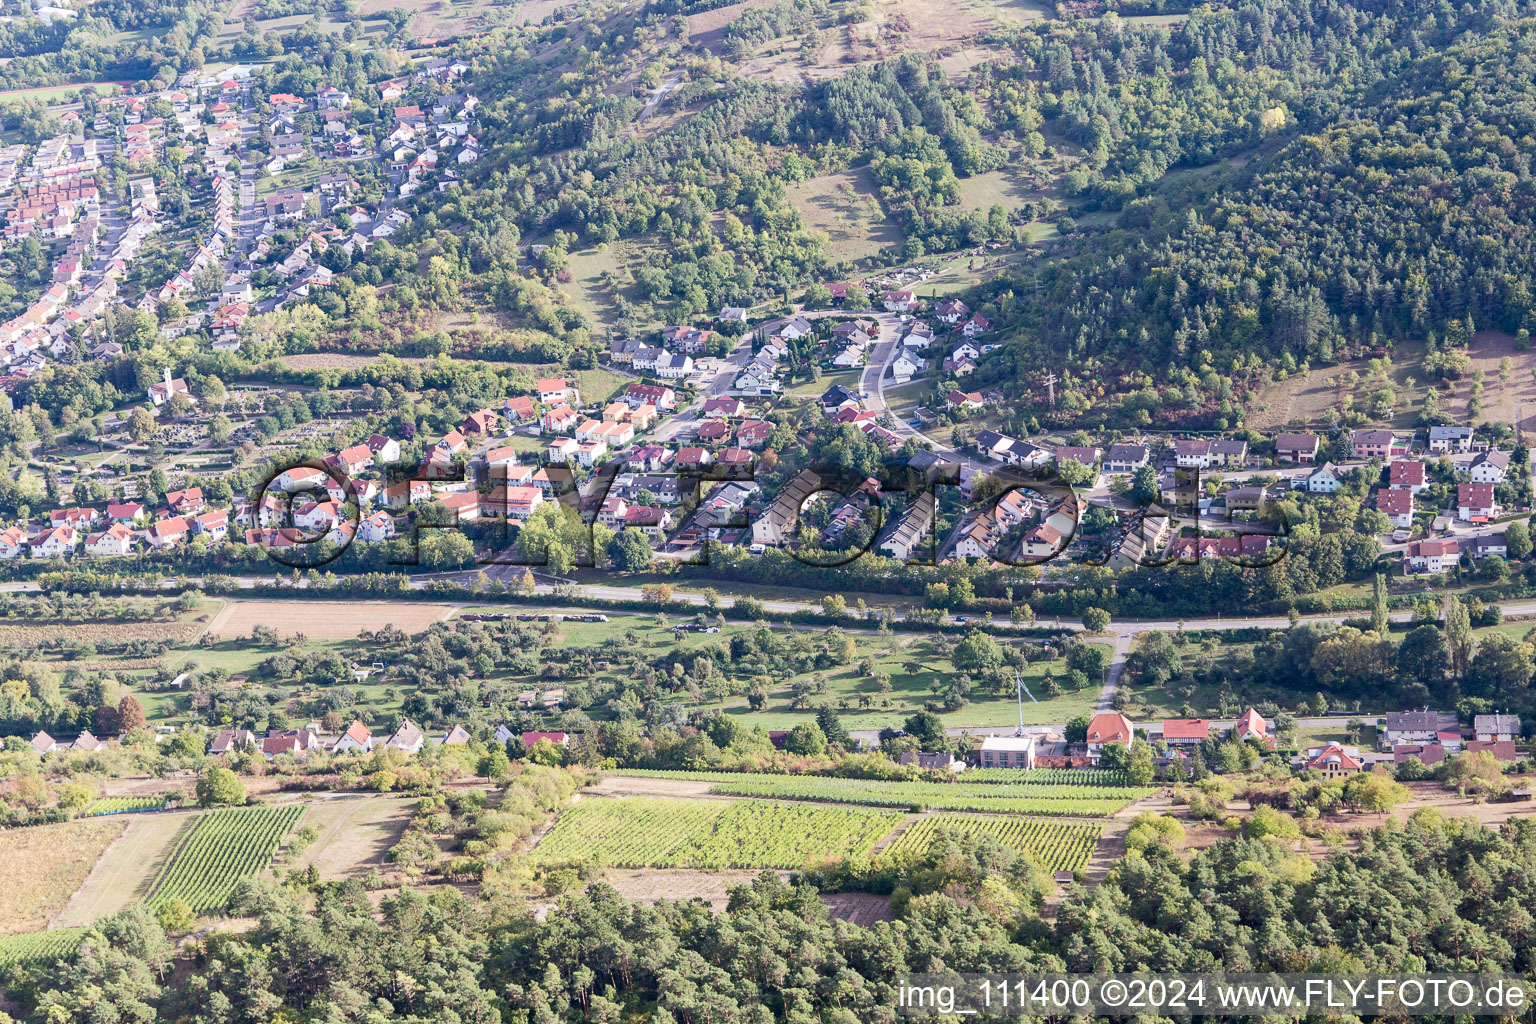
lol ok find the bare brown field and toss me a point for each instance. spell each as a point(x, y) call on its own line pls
point(44, 867)
point(325, 620)
point(625, 785)
point(864, 909)
point(1453, 805)
point(25, 635)
point(651, 884)
point(1305, 398)
point(1501, 403)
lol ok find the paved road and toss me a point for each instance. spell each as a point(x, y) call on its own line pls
point(872, 386)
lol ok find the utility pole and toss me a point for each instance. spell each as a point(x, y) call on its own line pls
point(1050, 383)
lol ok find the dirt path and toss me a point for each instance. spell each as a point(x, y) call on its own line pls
point(216, 624)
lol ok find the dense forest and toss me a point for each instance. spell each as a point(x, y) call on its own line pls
point(1428, 895)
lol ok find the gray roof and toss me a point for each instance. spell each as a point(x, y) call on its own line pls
point(1449, 433)
point(1496, 723)
point(1417, 721)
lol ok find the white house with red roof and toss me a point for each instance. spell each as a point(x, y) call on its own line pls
point(1251, 726)
point(1475, 503)
point(357, 739)
point(1334, 761)
point(13, 541)
point(1436, 556)
point(556, 389)
point(55, 543)
point(167, 533)
point(116, 540)
point(1106, 728)
point(1404, 473)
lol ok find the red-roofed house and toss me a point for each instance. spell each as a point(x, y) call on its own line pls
point(1251, 726)
point(1108, 727)
point(357, 738)
point(1333, 761)
point(1396, 503)
point(555, 389)
point(1438, 556)
point(559, 739)
point(1502, 750)
point(1475, 503)
point(1187, 732)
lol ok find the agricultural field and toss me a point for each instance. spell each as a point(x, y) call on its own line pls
point(38, 946)
point(223, 849)
point(323, 620)
point(15, 635)
point(1019, 798)
point(123, 805)
point(1047, 776)
point(1054, 844)
point(45, 864)
point(710, 834)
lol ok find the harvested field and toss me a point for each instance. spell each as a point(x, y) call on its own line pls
point(861, 908)
point(44, 867)
point(26, 635)
point(651, 884)
point(325, 620)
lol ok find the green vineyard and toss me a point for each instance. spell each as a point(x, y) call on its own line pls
point(1056, 845)
point(222, 849)
point(123, 805)
point(39, 946)
point(1021, 797)
point(663, 832)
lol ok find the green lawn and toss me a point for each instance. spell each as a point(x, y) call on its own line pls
point(813, 388)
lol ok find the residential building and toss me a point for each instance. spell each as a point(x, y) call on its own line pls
point(1496, 727)
point(1419, 726)
point(1007, 752)
point(1406, 474)
point(1325, 479)
point(1298, 448)
point(1450, 439)
point(357, 740)
point(1186, 732)
point(773, 526)
point(1126, 458)
point(1436, 556)
point(1372, 444)
point(407, 738)
point(1489, 467)
point(1334, 761)
point(1396, 503)
point(1475, 503)
point(1106, 728)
